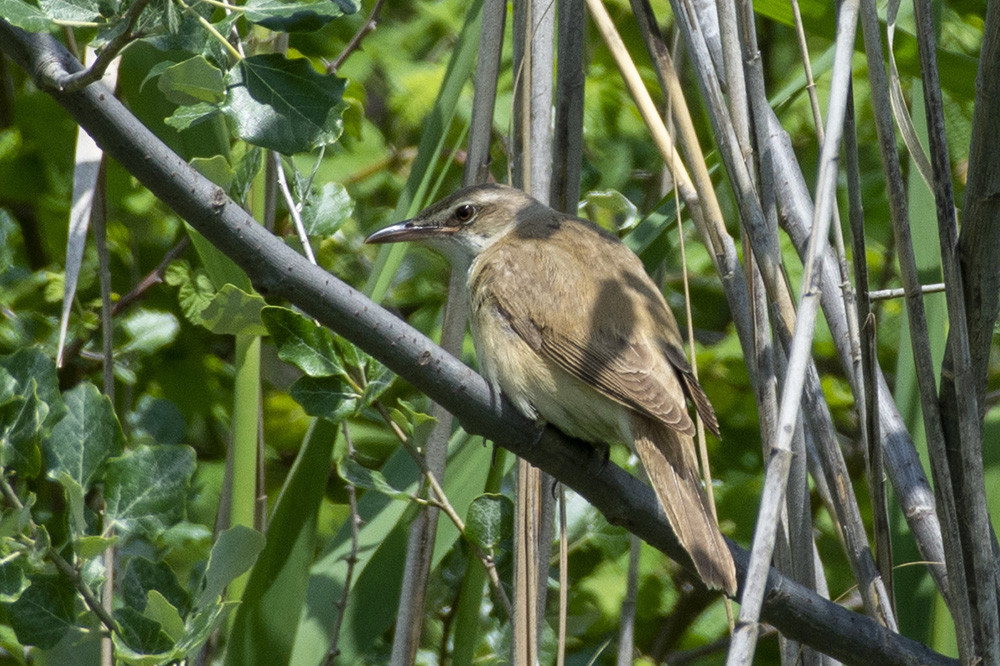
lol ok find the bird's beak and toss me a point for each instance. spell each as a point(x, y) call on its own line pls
point(407, 231)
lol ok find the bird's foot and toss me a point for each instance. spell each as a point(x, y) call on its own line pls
point(604, 452)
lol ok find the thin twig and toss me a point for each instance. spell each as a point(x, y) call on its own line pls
point(138, 292)
point(886, 294)
point(293, 209)
point(110, 51)
point(368, 26)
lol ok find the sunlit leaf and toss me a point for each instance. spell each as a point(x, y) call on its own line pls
point(371, 479)
point(189, 116)
point(145, 489)
point(490, 520)
point(71, 10)
point(24, 16)
point(329, 397)
point(149, 330)
point(301, 342)
point(232, 311)
point(85, 437)
point(233, 554)
point(325, 211)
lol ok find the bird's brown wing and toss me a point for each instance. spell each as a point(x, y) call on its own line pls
point(598, 335)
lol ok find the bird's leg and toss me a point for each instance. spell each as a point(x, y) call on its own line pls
point(604, 451)
point(555, 489)
point(540, 425)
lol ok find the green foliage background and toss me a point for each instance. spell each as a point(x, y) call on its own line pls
point(147, 473)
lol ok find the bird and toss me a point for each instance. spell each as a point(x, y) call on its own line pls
point(567, 324)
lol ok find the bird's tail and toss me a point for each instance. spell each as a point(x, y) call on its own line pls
point(669, 459)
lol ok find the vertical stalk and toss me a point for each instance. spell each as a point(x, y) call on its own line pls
point(963, 425)
point(943, 488)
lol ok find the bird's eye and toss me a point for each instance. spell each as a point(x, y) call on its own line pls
point(465, 212)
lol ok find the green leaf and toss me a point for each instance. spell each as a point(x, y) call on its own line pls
point(407, 417)
point(377, 379)
point(220, 268)
point(301, 342)
point(490, 520)
point(81, 443)
point(149, 331)
point(612, 210)
point(91, 546)
point(142, 640)
point(145, 489)
point(12, 580)
point(195, 293)
point(24, 16)
point(188, 116)
point(71, 10)
point(284, 105)
point(143, 576)
point(200, 626)
point(74, 501)
point(362, 477)
point(324, 212)
point(15, 521)
point(328, 397)
point(80, 646)
point(296, 16)
point(155, 71)
point(32, 365)
point(8, 386)
point(44, 612)
point(20, 430)
point(233, 311)
point(247, 168)
point(192, 81)
point(216, 168)
point(165, 614)
point(234, 553)
point(159, 419)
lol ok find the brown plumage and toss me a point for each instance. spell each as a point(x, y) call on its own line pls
point(569, 326)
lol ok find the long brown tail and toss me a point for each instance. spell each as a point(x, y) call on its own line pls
point(669, 460)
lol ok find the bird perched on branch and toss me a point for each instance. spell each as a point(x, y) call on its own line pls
point(568, 325)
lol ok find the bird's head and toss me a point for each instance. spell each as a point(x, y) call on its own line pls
point(464, 224)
